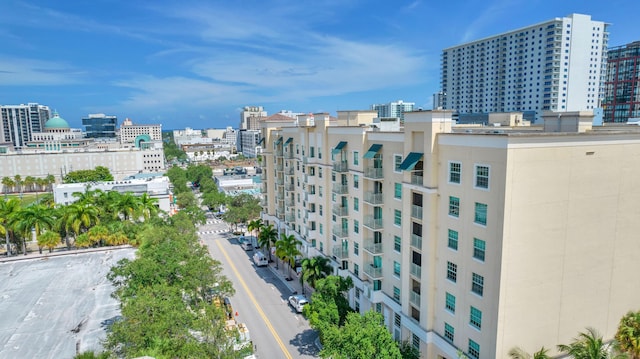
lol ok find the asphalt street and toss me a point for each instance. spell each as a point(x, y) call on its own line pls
point(56, 307)
point(277, 331)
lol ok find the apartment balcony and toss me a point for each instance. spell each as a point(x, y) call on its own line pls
point(279, 167)
point(417, 178)
point(416, 241)
point(289, 171)
point(290, 217)
point(280, 208)
point(416, 270)
point(305, 159)
point(264, 202)
point(341, 166)
point(311, 216)
point(339, 210)
point(372, 247)
point(280, 196)
point(280, 214)
point(340, 252)
point(373, 173)
point(338, 188)
point(279, 181)
point(263, 187)
point(340, 232)
point(373, 223)
point(278, 152)
point(290, 201)
point(416, 212)
point(289, 155)
point(289, 187)
point(372, 272)
point(263, 175)
point(373, 198)
point(414, 298)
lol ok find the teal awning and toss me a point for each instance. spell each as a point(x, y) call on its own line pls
point(278, 141)
point(411, 160)
point(373, 150)
point(339, 147)
point(261, 141)
point(288, 141)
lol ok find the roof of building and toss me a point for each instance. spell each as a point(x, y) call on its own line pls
point(56, 122)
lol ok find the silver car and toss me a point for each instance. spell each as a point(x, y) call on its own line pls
point(298, 302)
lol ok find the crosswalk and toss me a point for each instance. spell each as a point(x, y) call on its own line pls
point(215, 221)
point(213, 231)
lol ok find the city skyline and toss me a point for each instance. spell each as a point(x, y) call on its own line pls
point(198, 64)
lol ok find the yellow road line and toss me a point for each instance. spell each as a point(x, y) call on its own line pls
point(255, 302)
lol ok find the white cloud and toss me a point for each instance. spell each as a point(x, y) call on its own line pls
point(30, 72)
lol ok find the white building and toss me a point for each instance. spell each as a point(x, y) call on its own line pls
point(130, 132)
point(155, 187)
point(249, 143)
point(251, 116)
point(19, 122)
point(395, 109)
point(554, 65)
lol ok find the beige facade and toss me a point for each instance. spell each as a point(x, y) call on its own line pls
point(129, 131)
point(475, 240)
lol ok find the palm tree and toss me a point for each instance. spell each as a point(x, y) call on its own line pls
point(287, 250)
point(255, 225)
point(127, 205)
point(148, 206)
point(18, 181)
point(49, 239)
point(267, 237)
point(588, 345)
point(8, 209)
point(35, 217)
point(83, 241)
point(628, 335)
point(313, 269)
point(98, 234)
point(50, 181)
point(117, 239)
point(518, 353)
point(7, 182)
point(79, 217)
point(29, 181)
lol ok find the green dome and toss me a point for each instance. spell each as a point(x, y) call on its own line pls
point(56, 122)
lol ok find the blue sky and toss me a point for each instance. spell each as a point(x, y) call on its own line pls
point(196, 63)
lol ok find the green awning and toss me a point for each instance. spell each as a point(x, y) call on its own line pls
point(261, 141)
point(288, 141)
point(373, 150)
point(411, 160)
point(278, 141)
point(339, 147)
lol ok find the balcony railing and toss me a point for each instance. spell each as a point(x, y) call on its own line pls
point(373, 173)
point(290, 217)
point(415, 298)
point(289, 187)
point(280, 214)
point(372, 271)
point(417, 179)
point(416, 241)
point(374, 198)
point(288, 155)
point(340, 232)
point(373, 223)
point(340, 210)
point(341, 166)
point(372, 247)
point(416, 212)
point(416, 270)
point(338, 188)
point(288, 171)
point(290, 201)
point(278, 152)
point(340, 252)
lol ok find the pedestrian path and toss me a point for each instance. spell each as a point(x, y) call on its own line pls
point(214, 231)
point(215, 221)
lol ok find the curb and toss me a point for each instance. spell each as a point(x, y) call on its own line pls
point(22, 257)
point(282, 279)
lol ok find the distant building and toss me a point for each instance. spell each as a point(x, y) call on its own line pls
point(249, 143)
point(438, 100)
point(250, 117)
point(622, 84)
point(19, 122)
point(230, 136)
point(394, 109)
point(99, 125)
point(57, 135)
point(553, 65)
point(131, 133)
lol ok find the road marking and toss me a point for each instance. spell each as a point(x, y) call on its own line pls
point(253, 299)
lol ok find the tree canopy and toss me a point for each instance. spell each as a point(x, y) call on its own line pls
point(99, 174)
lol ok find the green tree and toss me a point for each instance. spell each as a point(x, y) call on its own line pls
point(18, 183)
point(588, 345)
point(83, 241)
point(127, 206)
point(148, 206)
point(266, 238)
point(361, 337)
point(49, 239)
point(519, 353)
point(51, 180)
point(178, 178)
point(287, 250)
point(98, 234)
point(35, 217)
point(255, 226)
point(99, 174)
point(186, 199)
point(628, 335)
point(80, 217)
point(8, 209)
point(314, 268)
point(408, 351)
point(329, 304)
point(29, 181)
point(8, 183)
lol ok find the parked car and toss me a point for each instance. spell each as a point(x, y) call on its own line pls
point(298, 302)
point(246, 243)
point(260, 259)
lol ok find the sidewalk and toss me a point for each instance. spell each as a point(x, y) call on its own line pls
point(57, 253)
point(293, 285)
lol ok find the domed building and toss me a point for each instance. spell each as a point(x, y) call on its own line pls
point(57, 135)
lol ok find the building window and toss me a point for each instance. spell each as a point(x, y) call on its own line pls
point(356, 154)
point(397, 319)
point(396, 294)
point(455, 170)
point(319, 172)
point(320, 228)
point(397, 190)
point(320, 207)
point(397, 217)
point(356, 248)
point(450, 302)
point(312, 152)
point(415, 341)
point(397, 244)
point(356, 181)
point(396, 268)
point(480, 214)
point(477, 284)
point(356, 269)
point(475, 318)
point(452, 271)
point(474, 350)
point(356, 226)
point(453, 239)
point(356, 204)
point(448, 332)
point(482, 177)
point(479, 249)
point(397, 161)
point(454, 206)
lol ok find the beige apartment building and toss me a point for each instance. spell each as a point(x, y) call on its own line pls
point(465, 239)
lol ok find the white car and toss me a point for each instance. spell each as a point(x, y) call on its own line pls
point(298, 302)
